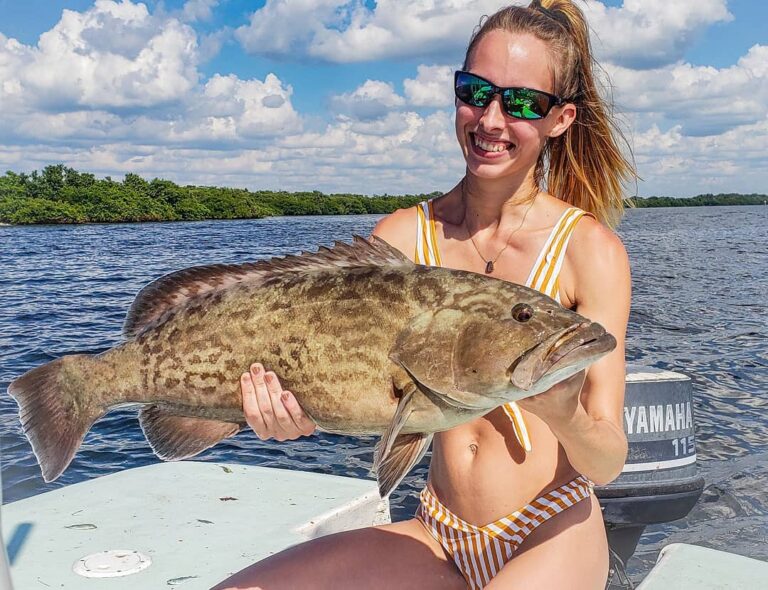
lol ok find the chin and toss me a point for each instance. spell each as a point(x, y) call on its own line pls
point(496, 171)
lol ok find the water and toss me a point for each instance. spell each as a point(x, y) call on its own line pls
point(699, 307)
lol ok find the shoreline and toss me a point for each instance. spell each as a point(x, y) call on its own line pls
point(63, 196)
point(313, 214)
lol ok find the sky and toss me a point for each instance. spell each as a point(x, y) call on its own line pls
point(355, 96)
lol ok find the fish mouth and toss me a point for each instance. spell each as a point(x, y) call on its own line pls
point(573, 348)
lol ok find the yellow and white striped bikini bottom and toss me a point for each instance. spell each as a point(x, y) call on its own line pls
point(481, 551)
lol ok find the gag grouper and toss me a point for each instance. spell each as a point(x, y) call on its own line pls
point(368, 342)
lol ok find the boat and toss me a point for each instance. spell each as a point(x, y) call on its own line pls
point(190, 524)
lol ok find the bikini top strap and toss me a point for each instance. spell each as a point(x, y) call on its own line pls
point(545, 274)
point(545, 277)
point(426, 251)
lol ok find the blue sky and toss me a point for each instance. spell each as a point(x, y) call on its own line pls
point(344, 95)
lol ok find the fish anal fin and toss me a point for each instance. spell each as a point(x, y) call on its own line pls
point(173, 437)
point(405, 452)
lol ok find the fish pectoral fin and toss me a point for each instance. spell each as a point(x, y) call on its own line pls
point(405, 452)
point(402, 413)
point(173, 437)
point(397, 453)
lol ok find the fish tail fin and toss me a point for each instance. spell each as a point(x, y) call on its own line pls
point(55, 413)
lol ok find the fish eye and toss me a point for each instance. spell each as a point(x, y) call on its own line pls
point(522, 312)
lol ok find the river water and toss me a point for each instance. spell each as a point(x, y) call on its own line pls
point(699, 306)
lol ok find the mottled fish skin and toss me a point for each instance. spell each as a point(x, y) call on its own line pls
point(368, 342)
point(327, 336)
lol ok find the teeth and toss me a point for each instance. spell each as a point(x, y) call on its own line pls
point(489, 146)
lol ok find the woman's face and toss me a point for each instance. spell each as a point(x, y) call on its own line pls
point(494, 144)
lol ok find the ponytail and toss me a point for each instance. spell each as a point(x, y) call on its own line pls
point(584, 166)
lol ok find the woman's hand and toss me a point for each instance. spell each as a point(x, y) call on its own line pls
point(558, 404)
point(270, 411)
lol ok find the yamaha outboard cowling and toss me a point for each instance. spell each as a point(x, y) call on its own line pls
point(660, 480)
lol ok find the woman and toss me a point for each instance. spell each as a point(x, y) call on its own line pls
point(523, 470)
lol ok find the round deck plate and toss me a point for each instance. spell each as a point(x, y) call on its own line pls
point(111, 564)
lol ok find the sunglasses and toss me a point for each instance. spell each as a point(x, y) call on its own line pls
point(520, 103)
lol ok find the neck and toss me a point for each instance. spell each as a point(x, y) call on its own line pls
point(495, 203)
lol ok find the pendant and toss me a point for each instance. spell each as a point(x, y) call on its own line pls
point(489, 267)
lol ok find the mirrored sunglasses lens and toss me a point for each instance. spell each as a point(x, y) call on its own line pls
point(473, 90)
point(527, 104)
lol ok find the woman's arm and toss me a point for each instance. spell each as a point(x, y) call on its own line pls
point(587, 420)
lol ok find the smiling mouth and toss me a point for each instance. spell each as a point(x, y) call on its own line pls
point(490, 146)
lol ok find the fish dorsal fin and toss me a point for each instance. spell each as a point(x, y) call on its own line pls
point(178, 288)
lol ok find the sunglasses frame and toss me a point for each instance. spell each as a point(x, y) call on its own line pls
point(554, 101)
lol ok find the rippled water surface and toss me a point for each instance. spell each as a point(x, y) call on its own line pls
point(699, 307)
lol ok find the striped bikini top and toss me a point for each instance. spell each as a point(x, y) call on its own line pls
point(544, 276)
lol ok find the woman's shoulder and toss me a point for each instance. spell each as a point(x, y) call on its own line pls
point(589, 235)
point(596, 261)
point(593, 240)
point(398, 229)
point(595, 257)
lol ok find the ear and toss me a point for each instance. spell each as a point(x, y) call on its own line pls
point(566, 115)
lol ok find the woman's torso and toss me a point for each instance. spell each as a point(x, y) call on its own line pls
point(481, 470)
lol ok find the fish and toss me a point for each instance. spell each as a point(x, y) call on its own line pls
point(369, 342)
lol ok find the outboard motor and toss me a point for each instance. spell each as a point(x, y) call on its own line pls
point(660, 480)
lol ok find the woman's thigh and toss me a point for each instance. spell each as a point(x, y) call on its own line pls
point(568, 552)
point(400, 555)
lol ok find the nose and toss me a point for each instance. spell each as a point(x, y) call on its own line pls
point(493, 115)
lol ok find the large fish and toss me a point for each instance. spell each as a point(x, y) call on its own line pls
point(369, 342)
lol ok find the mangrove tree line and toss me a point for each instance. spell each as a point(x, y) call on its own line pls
point(59, 194)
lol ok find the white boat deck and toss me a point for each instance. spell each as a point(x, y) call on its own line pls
point(690, 567)
point(197, 523)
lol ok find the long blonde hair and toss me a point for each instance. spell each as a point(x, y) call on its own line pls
point(583, 166)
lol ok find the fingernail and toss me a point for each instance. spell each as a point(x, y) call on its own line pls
point(268, 377)
point(256, 368)
point(284, 396)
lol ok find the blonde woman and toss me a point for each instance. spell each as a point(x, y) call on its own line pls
point(508, 501)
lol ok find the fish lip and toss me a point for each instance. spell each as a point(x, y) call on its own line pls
point(585, 339)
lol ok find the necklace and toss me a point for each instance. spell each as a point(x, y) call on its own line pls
point(489, 264)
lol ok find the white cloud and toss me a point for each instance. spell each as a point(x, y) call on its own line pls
point(346, 31)
point(402, 153)
point(432, 87)
point(116, 72)
point(112, 55)
point(651, 33)
point(283, 27)
point(372, 100)
point(640, 33)
point(702, 100)
point(197, 10)
point(674, 164)
point(226, 112)
point(252, 108)
point(400, 28)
